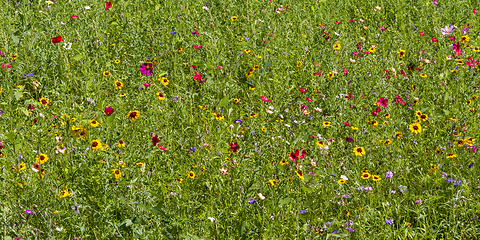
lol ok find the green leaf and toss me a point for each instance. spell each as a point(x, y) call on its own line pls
point(18, 95)
point(307, 177)
point(285, 201)
point(223, 102)
point(308, 203)
point(306, 189)
point(110, 119)
point(337, 235)
point(16, 40)
point(11, 136)
point(78, 57)
point(241, 228)
point(158, 210)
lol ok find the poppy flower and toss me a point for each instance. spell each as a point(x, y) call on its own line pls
point(57, 39)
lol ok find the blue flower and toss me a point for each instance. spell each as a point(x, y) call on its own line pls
point(238, 121)
point(172, 32)
point(335, 231)
point(389, 221)
point(252, 200)
point(303, 211)
point(30, 75)
point(193, 149)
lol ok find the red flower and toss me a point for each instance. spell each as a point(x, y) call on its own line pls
point(234, 147)
point(382, 102)
point(451, 38)
point(265, 99)
point(73, 16)
point(155, 140)
point(319, 73)
point(402, 72)
point(359, 45)
point(398, 99)
point(434, 40)
point(345, 71)
point(294, 156)
point(421, 33)
point(197, 76)
point(108, 5)
point(346, 124)
point(419, 69)
point(303, 90)
point(57, 39)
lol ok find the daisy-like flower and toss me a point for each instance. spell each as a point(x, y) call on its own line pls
point(233, 18)
point(464, 39)
point(163, 80)
point(116, 173)
point(43, 158)
point(401, 53)
point(133, 115)
point(117, 61)
point(359, 151)
point(44, 101)
point(342, 181)
point(118, 85)
point(106, 73)
point(326, 124)
point(366, 175)
point(94, 123)
point(96, 144)
point(336, 46)
point(160, 96)
point(320, 144)
point(300, 175)
point(376, 178)
point(273, 182)
point(191, 174)
point(65, 193)
point(146, 69)
point(415, 128)
point(121, 144)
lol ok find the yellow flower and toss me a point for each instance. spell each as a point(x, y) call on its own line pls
point(121, 144)
point(415, 128)
point(106, 73)
point(235, 100)
point(459, 143)
point(326, 123)
point(179, 50)
point(163, 80)
point(320, 144)
point(264, 129)
point(65, 193)
point(233, 18)
point(451, 155)
point(191, 174)
point(423, 75)
point(122, 94)
point(342, 181)
point(374, 124)
point(44, 101)
point(300, 175)
point(359, 151)
point(117, 61)
point(118, 85)
point(240, 39)
point(140, 164)
point(401, 53)
point(94, 123)
point(366, 175)
point(376, 178)
point(336, 46)
point(116, 173)
point(464, 39)
point(273, 182)
point(299, 64)
point(133, 115)
point(96, 144)
point(160, 96)
point(372, 49)
point(43, 158)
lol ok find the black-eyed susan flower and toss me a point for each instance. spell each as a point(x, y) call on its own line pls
point(44, 101)
point(273, 182)
point(337, 46)
point(118, 85)
point(122, 94)
point(401, 53)
point(43, 158)
point(191, 174)
point(320, 144)
point(438, 151)
point(460, 143)
point(283, 162)
point(65, 193)
point(469, 102)
point(423, 75)
point(96, 144)
point(464, 39)
point(218, 116)
point(423, 117)
point(140, 164)
point(299, 64)
point(106, 73)
point(234, 18)
point(160, 96)
point(387, 142)
point(300, 175)
point(374, 124)
point(120, 144)
point(451, 155)
point(117, 61)
point(133, 115)
point(342, 181)
point(376, 178)
point(116, 173)
point(359, 151)
point(366, 175)
point(235, 100)
point(179, 50)
point(415, 127)
point(326, 124)
point(163, 80)
point(94, 123)
point(474, 97)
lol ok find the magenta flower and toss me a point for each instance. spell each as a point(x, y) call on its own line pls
point(382, 102)
point(146, 84)
point(265, 99)
point(345, 71)
point(27, 211)
point(108, 111)
point(197, 76)
point(197, 46)
point(146, 69)
point(303, 90)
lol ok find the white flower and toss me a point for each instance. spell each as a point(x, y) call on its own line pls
point(286, 125)
point(75, 208)
point(344, 177)
point(205, 7)
point(49, 2)
point(211, 219)
point(87, 7)
point(67, 46)
point(59, 229)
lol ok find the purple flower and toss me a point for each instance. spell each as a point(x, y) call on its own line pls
point(447, 30)
point(193, 149)
point(335, 231)
point(1, 112)
point(108, 111)
point(27, 211)
point(389, 174)
point(252, 200)
point(346, 196)
point(172, 32)
point(393, 191)
point(389, 221)
point(147, 69)
point(349, 139)
point(444, 174)
point(328, 224)
point(471, 165)
point(350, 229)
point(303, 211)
point(30, 75)
point(175, 98)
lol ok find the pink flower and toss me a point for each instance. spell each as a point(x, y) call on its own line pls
point(367, 52)
point(197, 76)
point(338, 22)
point(146, 84)
point(220, 67)
point(451, 38)
point(161, 147)
point(382, 102)
point(383, 29)
point(1, 53)
point(6, 66)
point(421, 33)
point(265, 99)
point(224, 170)
point(356, 53)
point(345, 71)
point(73, 16)
point(456, 47)
point(351, 20)
point(346, 124)
point(309, 99)
point(398, 99)
point(434, 39)
point(193, 66)
point(319, 73)
point(378, 110)
point(386, 70)
point(197, 47)
point(303, 90)
point(402, 72)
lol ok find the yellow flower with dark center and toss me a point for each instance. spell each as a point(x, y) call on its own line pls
point(273, 182)
point(336, 46)
point(433, 169)
point(235, 100)
point(387, 116)
point(42, 173)
point(256, 67)
point(118, 84)
point(96, 144)
point(117, 61)
point(415, 128)
point(106, 73)
point(121, 144)
point(191, 174)
point(342, 181)
point(122, 94)
point(283, 162)
point(233, 18)
point(163, 80)
point(179, 50)
point(247, 51)
point(359, 151)
point(470, 141)
point(330, 75)
point(469, 102)
point(116, 173)
point(423, 117)
point(240, 39)
point(326, 124)
point(300, 175)
point(79, 132)
point(372, 49)
point(413, 87)
point(218, 117)
point(320, 144)
point(249, 74)
point(401, 53)
point(471, 109)
point(94, 123)
point(423, 75)
point(65, 193)
point(376, 178)
point(264, 129)
point(459, 143)
point(451, 155)
point(299, 64)
point(366, 175)
point(464, 39)
point(418, 113)
point(160, 96)
point(133, 115)
point(43, 158)
point(44, 101)
point(474, 97)
point(387, 142)
point(438, 151)
point(202, 107)
point(373, 124)
point(140, 164)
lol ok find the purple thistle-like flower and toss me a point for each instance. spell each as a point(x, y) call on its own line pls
point(146, 69)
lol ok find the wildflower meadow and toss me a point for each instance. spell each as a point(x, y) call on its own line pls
point(239, 119)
